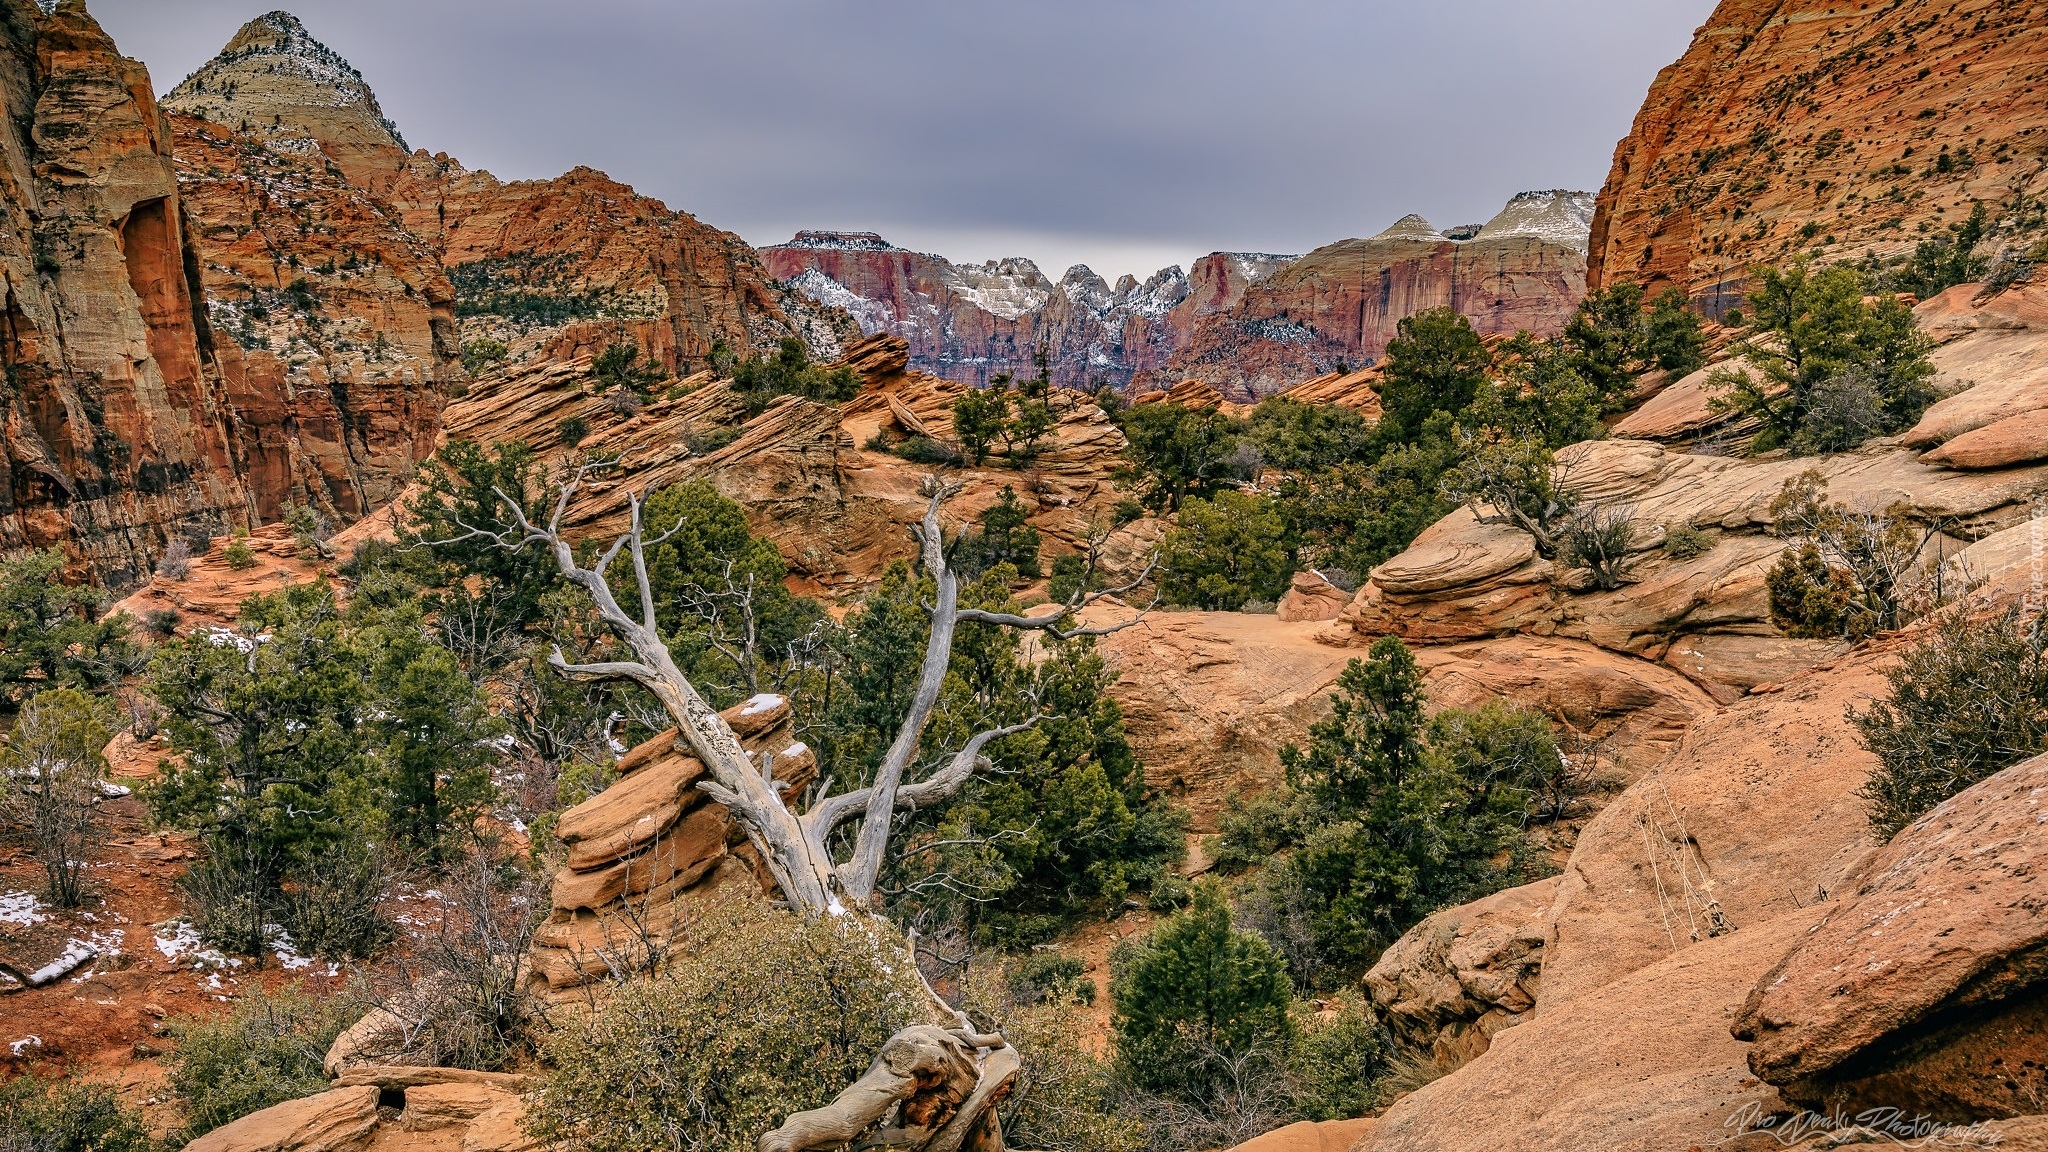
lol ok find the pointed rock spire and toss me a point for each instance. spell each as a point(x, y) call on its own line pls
point(276, 82)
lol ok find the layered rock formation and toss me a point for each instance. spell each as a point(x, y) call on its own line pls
point(1338, 306)
point(969, 322)
point(1791, 125)
point(646, 851)
point(819, 480)
point(557, 268)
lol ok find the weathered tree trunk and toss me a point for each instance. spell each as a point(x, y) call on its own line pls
point(793, 846)
point(931, 1089)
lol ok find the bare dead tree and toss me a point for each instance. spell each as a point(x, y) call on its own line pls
point(795, 847)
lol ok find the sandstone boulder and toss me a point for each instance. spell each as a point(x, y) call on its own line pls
point(339, 1120)
point(1463, 974)
point(1311, 596)
point(1753, 817)
point(1927, 989)
point(1308, 1136)
point(2002, 443)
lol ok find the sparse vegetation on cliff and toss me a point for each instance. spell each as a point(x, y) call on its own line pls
point(1828, 365)
point(790, 373)
point(1847, 574)
point(1968, 700)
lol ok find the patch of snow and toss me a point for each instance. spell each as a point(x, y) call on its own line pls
point(20, 909)
point(761, 702)
point(1256, 266)
point(24, 1044)
point(286, 952)
point(796, 749)
point(221, 637)
point(115, 791)
point(76, 952)
point(872, 315)
point(184, 942)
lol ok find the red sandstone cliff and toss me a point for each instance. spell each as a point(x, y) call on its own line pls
point(334, 327)
point(1247, 323)
point(1808, 126)
point(114, 429)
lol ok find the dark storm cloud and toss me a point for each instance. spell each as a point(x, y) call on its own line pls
point(1055, 126)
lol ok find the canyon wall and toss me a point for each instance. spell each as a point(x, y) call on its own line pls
point(1337, 307)
point(115, 429)
point(1806, 127)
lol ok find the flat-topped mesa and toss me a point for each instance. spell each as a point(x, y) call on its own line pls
point(276, 82)
point(1558, 216)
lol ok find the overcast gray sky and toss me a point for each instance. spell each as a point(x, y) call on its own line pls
point(1125, 134)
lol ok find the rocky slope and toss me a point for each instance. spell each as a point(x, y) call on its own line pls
point(334, 326)
point(1798, 125)
point(814, 478)
point(1339, 305)
point(556, 268)
point(968, 322)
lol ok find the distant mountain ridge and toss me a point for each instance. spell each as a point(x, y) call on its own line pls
point(1249, 323)
point(968, 322)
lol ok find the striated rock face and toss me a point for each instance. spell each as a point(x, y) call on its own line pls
point(336, 367)
point(115, 430)
point(1867, 122)
point(1340, 304)
point(645, 851)
point(968, 322)
point(276, 84)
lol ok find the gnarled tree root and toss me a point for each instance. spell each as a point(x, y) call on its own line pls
point(931, 1089)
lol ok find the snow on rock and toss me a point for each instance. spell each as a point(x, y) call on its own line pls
point(76, 952)
point(840, 242)
point(24, 1044)
point(872, 315)
point(1009, 287)
point(1256, 266)
point(1411, 227)
point(20, 909)
point(1558, 216)
point(761, 702)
